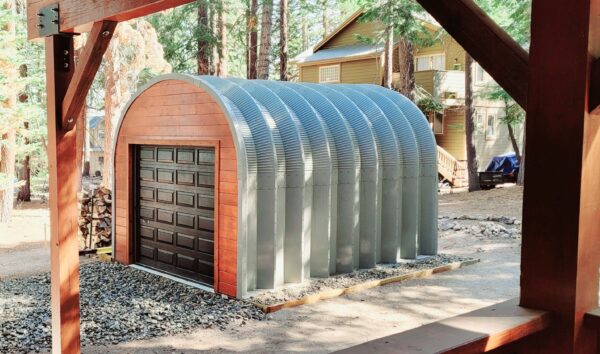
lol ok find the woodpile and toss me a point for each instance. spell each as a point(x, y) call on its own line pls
point(95, 218)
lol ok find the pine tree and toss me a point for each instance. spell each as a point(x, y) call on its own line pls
point(264, 55)
point(252, 46)
point(283, 40)
point(472, 165)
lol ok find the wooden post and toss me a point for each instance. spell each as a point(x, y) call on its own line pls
point(64, 251)
point(561, 209)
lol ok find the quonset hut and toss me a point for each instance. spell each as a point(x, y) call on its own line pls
point(243, 185)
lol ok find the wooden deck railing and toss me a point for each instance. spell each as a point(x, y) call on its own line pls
point(450, 168)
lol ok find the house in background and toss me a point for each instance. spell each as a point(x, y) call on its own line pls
point(94, 144)
point(342, 57)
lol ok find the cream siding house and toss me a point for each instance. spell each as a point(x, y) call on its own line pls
point(341, 57)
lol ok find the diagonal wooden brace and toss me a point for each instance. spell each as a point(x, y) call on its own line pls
point(594, 95)
point(503, 58)
point(88, 65)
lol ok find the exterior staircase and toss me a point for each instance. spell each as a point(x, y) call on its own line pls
point(451, 169)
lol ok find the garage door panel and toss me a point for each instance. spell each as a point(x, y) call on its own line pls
point(175, 213)
point(165, 196)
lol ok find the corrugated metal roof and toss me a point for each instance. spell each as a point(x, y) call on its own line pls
point(346, 52)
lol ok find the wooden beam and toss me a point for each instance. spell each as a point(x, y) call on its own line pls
point(594, 103)
point(79, 15)
point(503, 58)
point(97, 43)
point(561, 232)
point(479, 331)
point(63, 176)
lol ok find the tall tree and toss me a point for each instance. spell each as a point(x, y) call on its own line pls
point(204, 47)
point(389, 57)
point(252, 33)
point(403, 16)
point(325, 8)
point(221, 67)
point(472, 166)
point(132, 58)
point(283, 40)
point(264, 55)
point(24, 194)
point(9, 90)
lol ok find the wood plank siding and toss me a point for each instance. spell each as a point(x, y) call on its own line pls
point(347, 36)
point(177, 113)
point(365, 71)
point(453, 139)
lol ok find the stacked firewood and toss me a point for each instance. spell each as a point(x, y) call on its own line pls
point(95, 218)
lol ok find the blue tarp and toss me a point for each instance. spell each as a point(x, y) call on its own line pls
point(507, 164)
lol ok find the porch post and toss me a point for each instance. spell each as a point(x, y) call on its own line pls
point(63, 175)
point(561, 207)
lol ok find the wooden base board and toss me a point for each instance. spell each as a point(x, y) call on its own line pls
point(328, 294)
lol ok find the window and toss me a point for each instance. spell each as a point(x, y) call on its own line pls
point(438, 123)
point(479, 122)
point(479, 73)
point(100, 134)
point(490, 132)
point(329, 73)
point(430, 62)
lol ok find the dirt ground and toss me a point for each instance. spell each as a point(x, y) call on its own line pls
point(342, 322)
point(26, 237)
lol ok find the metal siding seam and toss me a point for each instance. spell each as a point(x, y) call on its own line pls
point(387, 247)
point(410, 173)
point(363, 244)
point(323, 177)
point(346, 202)
point(298, 157)
point(270, 183)
point(427, 231)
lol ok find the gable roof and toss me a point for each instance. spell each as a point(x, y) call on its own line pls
point(351, 52)
point(338, 29)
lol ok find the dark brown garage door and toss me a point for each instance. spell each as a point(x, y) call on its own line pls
point(175, 210)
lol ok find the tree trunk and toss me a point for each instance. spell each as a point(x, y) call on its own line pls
point(25, 175)
point(24, 194)
point(109, 103)
point(325, 18)
point(513, 140)
point(304, 33)
point(472, 166)
point(204, 50)
point(521, 176)
point(389, 58)
point(252, 27)
point(406, 65)
point(283, 40)
point(222, 31)
point(264, 56)
point(8, 143)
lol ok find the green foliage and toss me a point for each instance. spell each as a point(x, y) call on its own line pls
point(427, 102)
point(514, 114)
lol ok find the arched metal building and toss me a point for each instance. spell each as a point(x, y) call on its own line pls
point(245, 185)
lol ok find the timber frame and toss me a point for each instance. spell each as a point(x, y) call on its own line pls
point(561, 232)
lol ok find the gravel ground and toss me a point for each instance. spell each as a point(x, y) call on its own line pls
point(118, 304)
point(381, 271)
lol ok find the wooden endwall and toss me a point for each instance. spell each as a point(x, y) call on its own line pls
point(174, 112)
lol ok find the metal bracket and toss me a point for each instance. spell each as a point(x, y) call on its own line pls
point(48, 20)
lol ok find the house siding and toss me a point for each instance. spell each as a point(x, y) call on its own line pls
point(448, 46)
point(347, 36)
point(367, 71)
point(453, 139)
point(309, 73)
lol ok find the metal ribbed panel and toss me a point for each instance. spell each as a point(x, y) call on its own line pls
point(321, 141)
point(324, 178)
point(410, 180)
point(298, 188)
point(390, 209)
point(427, 231)
point(346, 146)
point(363, 246)
point(348, 187)
point(367, 141)
point(270, 195)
